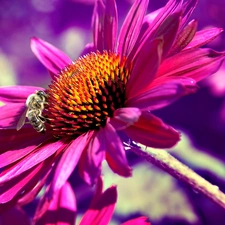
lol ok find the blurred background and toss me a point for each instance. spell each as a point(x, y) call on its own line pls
point(200, 117)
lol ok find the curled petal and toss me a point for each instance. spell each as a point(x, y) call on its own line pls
point(124, 117)
point(153, 132)
point(115, 153)
point(51, 57)
point(164, 94)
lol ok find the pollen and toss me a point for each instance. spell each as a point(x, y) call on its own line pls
point(86, 93)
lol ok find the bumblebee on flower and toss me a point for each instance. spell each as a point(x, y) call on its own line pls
point(112, 88)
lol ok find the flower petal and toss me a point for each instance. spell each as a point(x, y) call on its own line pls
point(10, 115)
point(51, 57)
point(187, 8)
point(171, 7)
point(166, 31)
point(131, 27)
point(16, 94)
point(30, 196)
point(62, 209)
point(152, 132)
point(124, 117)
point(145, 68)
point(41, 153)
point(196, 64)
point(92, 157)
point(87, 49)
point(115, 153)
point(105, 22)
point(65, 165)
point(138, 221)
point(15, 145)
point(203, 37)
point(162, 95)
point(101, 212)
point(184, 37)
point(19, 186)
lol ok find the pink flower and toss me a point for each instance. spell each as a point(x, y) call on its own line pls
point(95, 102)
point(62, 209)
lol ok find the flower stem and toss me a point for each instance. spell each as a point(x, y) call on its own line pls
point(168, 163)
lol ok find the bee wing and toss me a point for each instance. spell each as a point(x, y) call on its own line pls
point(21, 121)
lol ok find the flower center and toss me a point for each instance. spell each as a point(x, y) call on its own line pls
point(86, 93)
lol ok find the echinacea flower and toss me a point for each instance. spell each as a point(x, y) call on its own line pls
point(95, 102)
point(62, 209)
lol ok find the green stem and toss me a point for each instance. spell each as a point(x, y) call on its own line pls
point(168, 163)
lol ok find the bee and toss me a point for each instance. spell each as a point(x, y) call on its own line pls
point(34, 108)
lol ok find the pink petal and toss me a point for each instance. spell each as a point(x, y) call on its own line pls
point(14, 216)
point(16, 94)
point(88, 49)
point(101, 212)
point(10, 115)
point(124, 117)
point(98, 191)
point(187, 8)
point(19, 186)
point(65, 165)
point(17, 144)
point(51, 57)
point(138, 221)
point(40, 154)
point(152, 132)
point(163, 94)
point(196, 64)
point(147, 22)
point(110, 25)
point(105, 22)
point(30, 196)
point(115, 153)
point(62, 209)
point(166, 31)
point(145, 68)
point(171, 7)
point(131, 27)
point(92, 157)
point(203, 37)
point(184, 37)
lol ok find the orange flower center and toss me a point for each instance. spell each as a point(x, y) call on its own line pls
point(86, 93)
